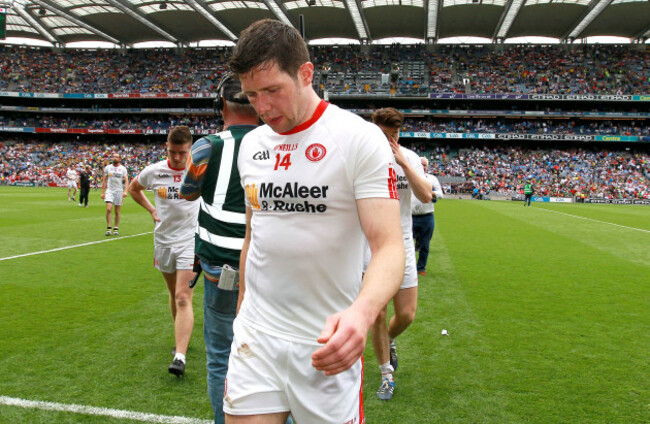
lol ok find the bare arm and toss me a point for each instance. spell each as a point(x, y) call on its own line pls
point(104, 180)
point(344, 335)
point(418, 182)
point(242, 258)
point(126, 184)
point(137, 193)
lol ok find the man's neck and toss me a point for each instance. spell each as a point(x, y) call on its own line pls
point(311, 103)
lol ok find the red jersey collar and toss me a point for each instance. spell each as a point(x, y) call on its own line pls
point(320, 109)
point(172, 168)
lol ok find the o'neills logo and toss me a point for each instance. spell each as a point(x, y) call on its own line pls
point(285, 147)
point(315, 152)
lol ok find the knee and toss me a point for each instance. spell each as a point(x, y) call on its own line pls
point(183, 300)
point(407, 315)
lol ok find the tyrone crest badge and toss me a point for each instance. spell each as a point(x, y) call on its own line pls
point(315, 152)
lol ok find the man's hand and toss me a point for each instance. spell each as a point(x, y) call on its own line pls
point(154, 215)
point(124, 194)
point(103, 196)
point(399, 156)
point(344, 339)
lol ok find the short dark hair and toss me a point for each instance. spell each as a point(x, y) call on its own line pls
point(179, 135)
point(388, 117)
point(268, 41)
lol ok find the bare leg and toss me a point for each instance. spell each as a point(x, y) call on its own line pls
point(278, 418)
point(379, 336)
point(117, 215)
point(405, 303)
point(109, 208)
point(181, 307)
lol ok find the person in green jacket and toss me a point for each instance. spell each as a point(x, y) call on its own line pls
point(528, 193)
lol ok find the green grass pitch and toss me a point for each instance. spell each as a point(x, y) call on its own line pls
point(547, 310)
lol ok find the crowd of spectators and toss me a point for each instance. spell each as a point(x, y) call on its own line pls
point(30, 69)
point(456, 125)
point(118, 121)
point(529, 126)
point(554, 172)
point(504, 170)
point(521, 69)
point(43, 164)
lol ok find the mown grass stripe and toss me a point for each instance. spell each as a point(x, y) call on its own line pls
point(594, 220)
point(107, 412)
point(73, 246)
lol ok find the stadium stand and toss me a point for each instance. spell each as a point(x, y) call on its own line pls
point(514, 69)
point(476, 111)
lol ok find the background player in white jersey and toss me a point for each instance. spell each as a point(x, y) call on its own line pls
point(317, 180)
point(71, 176)
point(173, 236)
point(410, 180)
point(115, 184)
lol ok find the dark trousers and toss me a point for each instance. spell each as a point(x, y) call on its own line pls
point(83, 197)
point(423, 226)
point(527, 199)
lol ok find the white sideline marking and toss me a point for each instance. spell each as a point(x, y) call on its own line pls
point(91, 410)
point(113, 238)
point(595, 220)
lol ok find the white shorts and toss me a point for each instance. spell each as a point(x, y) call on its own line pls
point(114, 197)
point(267, 374)
point(72, 184)
point(410, 267)
point(171, 258)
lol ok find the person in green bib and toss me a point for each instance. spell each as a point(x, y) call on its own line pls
point(528, 193)
point(213, 179)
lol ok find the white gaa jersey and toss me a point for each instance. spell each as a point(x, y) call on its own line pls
point(404, 189)
point(71, 175)
point(178, 217)
point(306, 251)
point(115, 177)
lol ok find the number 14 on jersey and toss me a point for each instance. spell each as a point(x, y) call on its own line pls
point(282, 161)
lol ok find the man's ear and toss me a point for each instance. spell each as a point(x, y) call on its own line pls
point(306, 73)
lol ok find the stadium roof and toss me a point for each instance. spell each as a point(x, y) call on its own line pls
point(126, 22)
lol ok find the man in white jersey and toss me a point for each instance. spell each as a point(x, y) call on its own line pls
point(173, 237)
point(423, 219)
point(318, 181)
point(410, 180)
point(71, 176)
point(115, 184)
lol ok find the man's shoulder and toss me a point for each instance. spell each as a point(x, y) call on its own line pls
point(157, 166)
point(340, 118)
point(409, 153)
point(261, 131)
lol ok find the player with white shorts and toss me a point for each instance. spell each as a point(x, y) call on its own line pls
point(411, 181)
point(71, 176)
point(115, 183)
point(175, 221)
point(314, 176)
